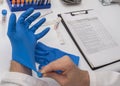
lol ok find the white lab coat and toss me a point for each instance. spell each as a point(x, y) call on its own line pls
point(104, 78)
point(20, 79)
point(96, 79)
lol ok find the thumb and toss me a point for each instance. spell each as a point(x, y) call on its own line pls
point(63, 64)
point(12, 24)
point(59, 78)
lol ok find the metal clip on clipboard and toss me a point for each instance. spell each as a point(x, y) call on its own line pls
point(74, 13)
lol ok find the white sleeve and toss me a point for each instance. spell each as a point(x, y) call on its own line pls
point(104, 78)
point(19, 79)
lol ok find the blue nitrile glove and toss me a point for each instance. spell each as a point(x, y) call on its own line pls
point(44, 55)
point(23, 39)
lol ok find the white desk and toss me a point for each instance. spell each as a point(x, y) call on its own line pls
point(58, 7)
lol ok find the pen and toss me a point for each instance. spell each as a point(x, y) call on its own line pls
point(115, 1)
point(48, 23)
point(46, 14)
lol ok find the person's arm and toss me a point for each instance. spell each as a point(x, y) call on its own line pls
point(73, 76)
point(20, 75)
point(17, 67)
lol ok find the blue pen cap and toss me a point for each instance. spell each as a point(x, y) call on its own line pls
point(4, 12)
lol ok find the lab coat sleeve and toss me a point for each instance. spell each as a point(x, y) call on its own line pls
point(19, 79)
point(104, 78)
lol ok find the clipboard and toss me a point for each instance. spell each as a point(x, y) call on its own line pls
point(79, 13)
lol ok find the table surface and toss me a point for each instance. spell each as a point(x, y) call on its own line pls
point(51, 39)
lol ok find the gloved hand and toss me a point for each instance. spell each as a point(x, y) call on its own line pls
point(44, 55)
point(23, 39)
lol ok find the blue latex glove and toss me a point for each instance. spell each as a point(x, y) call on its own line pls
point(23, 39)
point(44, 55)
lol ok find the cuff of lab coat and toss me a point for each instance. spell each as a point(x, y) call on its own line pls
point(25, 80)
point(92, 78)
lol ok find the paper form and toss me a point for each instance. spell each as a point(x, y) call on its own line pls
point(95, 40)
point(93, 35)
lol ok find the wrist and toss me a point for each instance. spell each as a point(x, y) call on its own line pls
point(17, 67)
point(85, 80)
